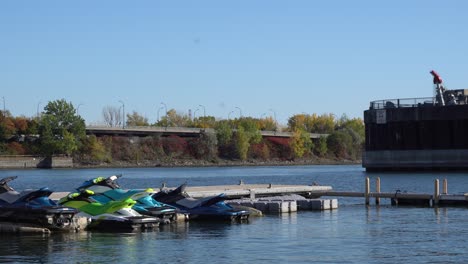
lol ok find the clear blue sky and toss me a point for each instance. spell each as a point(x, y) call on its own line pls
point(290, 56)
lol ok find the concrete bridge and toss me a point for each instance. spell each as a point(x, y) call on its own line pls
point(143, 131)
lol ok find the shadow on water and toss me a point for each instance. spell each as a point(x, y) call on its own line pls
point(37, 247)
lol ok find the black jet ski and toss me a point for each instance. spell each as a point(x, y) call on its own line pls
point(209, 208)
point(34, 208)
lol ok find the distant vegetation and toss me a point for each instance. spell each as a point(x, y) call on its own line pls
point(58, 130)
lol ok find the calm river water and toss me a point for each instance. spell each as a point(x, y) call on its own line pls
point(353, 233)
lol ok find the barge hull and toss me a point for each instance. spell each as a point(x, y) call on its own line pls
point(416, 137)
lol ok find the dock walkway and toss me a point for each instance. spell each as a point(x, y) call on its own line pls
point(437, 198)
point(316, 197)
point(268, 198)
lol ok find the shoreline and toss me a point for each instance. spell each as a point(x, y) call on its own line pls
point(218, 163)
point(60, 162)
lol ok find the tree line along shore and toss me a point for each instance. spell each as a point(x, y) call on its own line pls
point(59, 131)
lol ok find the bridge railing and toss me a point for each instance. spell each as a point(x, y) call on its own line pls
point(403, 102)
point(152, 129)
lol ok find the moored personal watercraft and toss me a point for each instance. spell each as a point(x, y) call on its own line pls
point(209, 208)
point(107, 189)
point(34, 208)
point(111, 216)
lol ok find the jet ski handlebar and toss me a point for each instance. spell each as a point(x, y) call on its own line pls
point(4, 182)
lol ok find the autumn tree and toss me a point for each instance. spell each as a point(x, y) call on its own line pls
point(135, 119)
point(300, 143)
point(267, 124)
point(204, 122)
point(296, 122)
point(7, 126)
point(174, 119)
point(314, 123)
point(21, 125)
point(94, 151)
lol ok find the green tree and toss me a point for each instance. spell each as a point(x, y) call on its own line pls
point(135, 119)
point(242, 143)
point(339, 143)
point(60, 128)
point(33, 127)
point(355, 129)
point(251, 129)
point(320, 148)
point(247, 133)
point(355, 124)
point(223, 133)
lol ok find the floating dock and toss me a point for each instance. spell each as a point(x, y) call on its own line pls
point(435, 199)
point(242, 191)
point(286, 204)
point(253, 191)
point(271, 198)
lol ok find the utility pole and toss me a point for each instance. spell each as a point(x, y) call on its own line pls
point(123, 110)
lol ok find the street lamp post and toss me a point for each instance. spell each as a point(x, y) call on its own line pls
point(240, 111)
point(274, 114)
point(4, 108)
point(123, 111)
point(78, 109)
point(165, 107)
point(204, 110)
point(159, 109)
point(37, 113)
point(167, 118)
point(195, 112)
point(229, 115)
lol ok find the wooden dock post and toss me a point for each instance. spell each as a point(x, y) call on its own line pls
point(436, 193)
point(377, 190)
point(445, 186)
point(367, 190)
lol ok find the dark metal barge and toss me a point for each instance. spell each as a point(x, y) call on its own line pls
point(418, 133)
